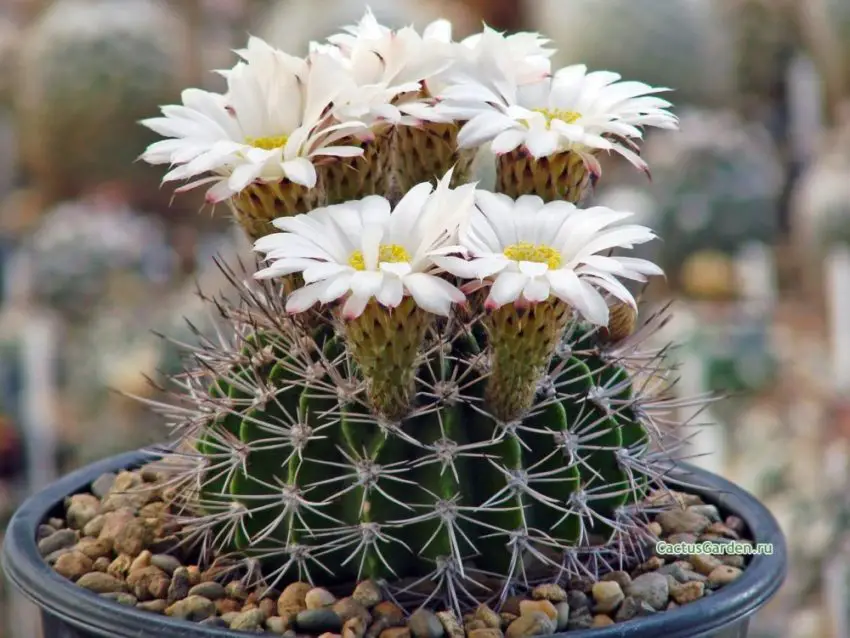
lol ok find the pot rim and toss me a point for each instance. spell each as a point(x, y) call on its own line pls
point(62, 598)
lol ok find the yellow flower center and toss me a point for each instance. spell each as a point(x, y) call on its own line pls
point(569, 117)
point(540, 253)
point(268, 143)
point(390, 253)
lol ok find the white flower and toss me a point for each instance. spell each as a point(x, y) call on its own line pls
point(364, 250)
point(528, 251)
point(523, 57)
point(270, 125)
point(571, 111)
point(387, 63)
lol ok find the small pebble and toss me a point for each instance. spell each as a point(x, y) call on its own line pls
point(120, 567)
point(44, 531)
point(621, 578)
point(114, 522)
point(132, 538)
point(355, 627)
point(317, 621)
point(563, 616)
point(723, 575)
point(101, 486)
point(155, 606)
point(95, 526)
point(390, 613)
point(367, 593)
point(533, 624)
point(736, 524)
point(73, 565)
point(655, 529)
point(229, 616)
point(94, 548)
point(490, 618)
point(141, 561)
point(551, 592)
point(348, 608)
point(687, 592)
point(179, 586)
point(723, 530)
point(59, 539)
point(650, 565)
point(226, 605)
point(236, 590)
point(193, 608)
point(101, 564)
point(677, 521)
point(51, 559)
point(487, 632)
point(601, 620)
point(81, 509)
point(121, 598)
point(317, 598)
point(608, 596)
point(580, 620)
point(709, 511)
point(166, 563)
point(705, 563)
point(56, 523)
point(528, 607)
point(211, 590)
point(577, 600)
point(425, 624)
point(276, 625)
point(101, 583)
point(292, 599)
point(248, 620)
point(450, 623)
point(651, 588)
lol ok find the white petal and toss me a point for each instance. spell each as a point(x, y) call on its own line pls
point(304, 298)
point(300, 171)
point(587, 301)
point(432, 294)
point(354, 306)
point(391, 292)
point(507, 141)
point(506, 288)
point(536, 290)
point(533, 268)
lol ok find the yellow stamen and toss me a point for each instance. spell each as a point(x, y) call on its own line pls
point(390, 253)
point(570, 117)
point(268, 143)
point(540, 253)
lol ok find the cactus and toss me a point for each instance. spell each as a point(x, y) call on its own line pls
point(765, 37)
point(85, 254)
point(674, 43)
point(90, 69)
point(451, 443)
point(718, 185)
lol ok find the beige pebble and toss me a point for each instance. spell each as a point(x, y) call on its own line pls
point(73, 565)
point(527, 607)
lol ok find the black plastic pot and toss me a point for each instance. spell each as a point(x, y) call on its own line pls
point(69, 611)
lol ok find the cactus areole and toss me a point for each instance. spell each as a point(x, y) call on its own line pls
point(444, 390)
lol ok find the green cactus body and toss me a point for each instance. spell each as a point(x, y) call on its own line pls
point(316, 479)
point(91, 69)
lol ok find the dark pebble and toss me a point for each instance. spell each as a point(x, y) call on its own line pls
point(57, 540)
point(318, 621)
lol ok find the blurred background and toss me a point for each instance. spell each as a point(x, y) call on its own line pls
point(752, 200)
